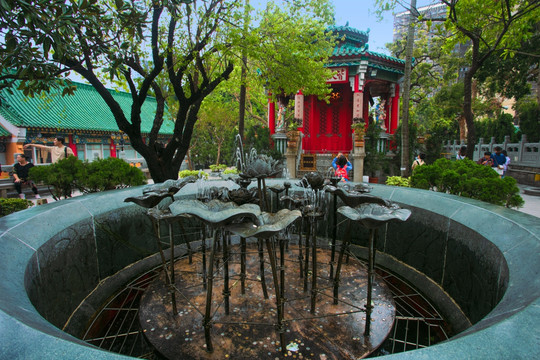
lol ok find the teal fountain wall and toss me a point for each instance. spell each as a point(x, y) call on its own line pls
point(487, 258)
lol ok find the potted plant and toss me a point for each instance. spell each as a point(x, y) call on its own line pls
point(359, 127)
point(293, 134)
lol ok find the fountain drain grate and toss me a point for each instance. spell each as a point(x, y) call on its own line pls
point(116, 328)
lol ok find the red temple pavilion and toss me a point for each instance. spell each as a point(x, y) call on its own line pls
point(360, 77)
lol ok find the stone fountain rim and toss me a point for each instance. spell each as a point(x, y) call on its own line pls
point(505, 331)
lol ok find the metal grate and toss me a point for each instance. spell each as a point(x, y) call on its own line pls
point(116, 327)
point(418, 324)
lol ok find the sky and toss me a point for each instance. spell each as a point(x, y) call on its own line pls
point(360, 15)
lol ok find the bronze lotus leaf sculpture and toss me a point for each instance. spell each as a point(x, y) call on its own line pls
point(353, 198)
point(373, 215)
point(262, 167)
point(215, 212)
point(154, 194)
point(169, 185)
point(268, 224)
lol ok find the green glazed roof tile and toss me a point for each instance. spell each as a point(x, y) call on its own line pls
point(85, 110)
point(4, 132)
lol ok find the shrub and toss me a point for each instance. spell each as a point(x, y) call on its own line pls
point(468, 179)
point(109, 174)
point(9, 206)
point(72, 173)
point(232, 170)
point(197, 173)
point(218, 167)
point(398, 181)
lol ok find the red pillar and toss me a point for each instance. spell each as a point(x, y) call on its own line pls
point(72, 145)
point(112, 148)
point(271, 116)
point(394, 116)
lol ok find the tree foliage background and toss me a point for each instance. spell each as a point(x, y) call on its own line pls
point(177, 51)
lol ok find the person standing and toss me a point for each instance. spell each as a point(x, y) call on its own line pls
point(335, 162)
point(343, 166)
point(20, 176)
point(420, 160)
point(498, 161)
point(462, 153)
point(505, 166)
point(58, 151)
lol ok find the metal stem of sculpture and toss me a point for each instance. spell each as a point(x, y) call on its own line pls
point(243, 265)
point(203, 252)
point(207, 321)
point(373, 234)
point(261, 268)
point(314, 265)
point(279, 305)
point(225, 253)
point(340, 261)
point(334, 236)
point(306, 260)
point(171, 285)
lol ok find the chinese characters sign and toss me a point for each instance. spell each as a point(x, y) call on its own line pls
point(341, 75)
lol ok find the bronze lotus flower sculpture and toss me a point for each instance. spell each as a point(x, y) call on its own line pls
point(313, 179)
point(215, 212)
point(154, 194)
point(262, 167)
point(372, 215)
point(267, 225)
point(243, 196)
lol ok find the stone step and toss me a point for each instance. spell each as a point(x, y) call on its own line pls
point(534, 191)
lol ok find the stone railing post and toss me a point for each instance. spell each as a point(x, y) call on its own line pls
point(478, 150)
point(505, 142)
point(521, 149)
point(491, 144)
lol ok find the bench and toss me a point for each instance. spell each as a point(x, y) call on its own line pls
point(7, 189)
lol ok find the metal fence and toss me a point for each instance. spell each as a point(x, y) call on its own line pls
point(521, 153)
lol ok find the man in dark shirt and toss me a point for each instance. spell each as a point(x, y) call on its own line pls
point(20, 176)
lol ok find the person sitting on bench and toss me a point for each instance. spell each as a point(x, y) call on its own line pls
point(20, 175)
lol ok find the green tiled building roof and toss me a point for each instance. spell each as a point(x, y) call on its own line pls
point(353, 48)
point(85, 110)
point(4, 132)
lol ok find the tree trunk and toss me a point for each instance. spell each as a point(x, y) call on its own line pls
point(242, 101)
point(405, 157)
point(468, 98)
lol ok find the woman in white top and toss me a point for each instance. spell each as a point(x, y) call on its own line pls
point(462, 153)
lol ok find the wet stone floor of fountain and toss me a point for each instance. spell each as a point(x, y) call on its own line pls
point(249, 331)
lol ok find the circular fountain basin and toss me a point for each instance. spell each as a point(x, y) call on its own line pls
point(54, 257)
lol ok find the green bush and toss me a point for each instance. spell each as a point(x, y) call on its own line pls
point(109, 174)
point(100, 175)
point(218, 167)
point(398, 181)
point(468, 179)
point(232, 170)
point(197, 173)
point(9, 206)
